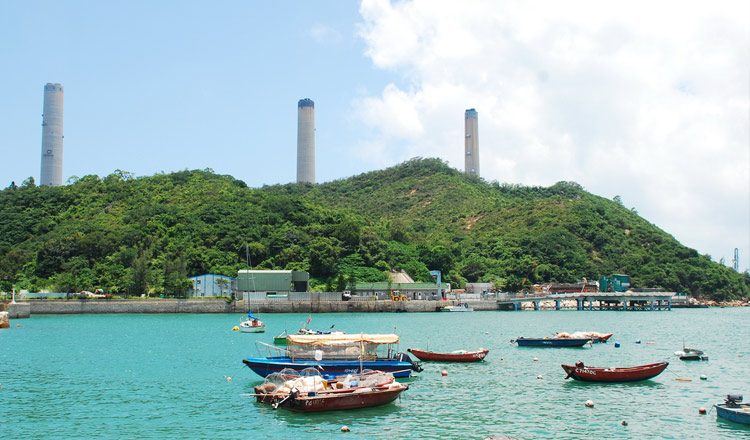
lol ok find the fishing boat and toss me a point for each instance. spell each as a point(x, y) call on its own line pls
point(613, 374)
point(313, 393)
point(336, 355)
point(550, 342)
point(690, 354)
point(595, 337)
point(252, 324)
point(460, 307)
point(454, 356)
point(732, 409)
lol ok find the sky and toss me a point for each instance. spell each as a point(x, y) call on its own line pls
point(648, 101)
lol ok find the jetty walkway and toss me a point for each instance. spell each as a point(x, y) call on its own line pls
point(593, 300)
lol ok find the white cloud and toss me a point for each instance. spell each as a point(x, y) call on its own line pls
point(647, 100)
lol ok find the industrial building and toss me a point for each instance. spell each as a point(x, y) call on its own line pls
point(471, 142)
point(272, 281)
point(212, 285)
point(52, 136)
point(305, 141)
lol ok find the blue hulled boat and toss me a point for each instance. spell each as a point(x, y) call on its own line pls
point(732, 409)
point(336, 355)
point(551, 342)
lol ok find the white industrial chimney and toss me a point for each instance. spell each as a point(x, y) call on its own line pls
point(471, 144)
point(52, 136)
point(306, 141)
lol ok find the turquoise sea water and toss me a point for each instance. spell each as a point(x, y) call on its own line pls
point(163, 377)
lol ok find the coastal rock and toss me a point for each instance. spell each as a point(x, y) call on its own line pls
point(4, 320)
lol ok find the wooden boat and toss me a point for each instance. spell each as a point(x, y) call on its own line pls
point(550, 342)
point(314, 394)
point(455, 356)
point(732, 409)
point(336, 355)
point(627, 374)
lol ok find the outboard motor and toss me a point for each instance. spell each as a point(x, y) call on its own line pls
point(733, 399)
point(403, 357)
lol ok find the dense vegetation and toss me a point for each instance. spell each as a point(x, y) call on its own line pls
point(131, 235)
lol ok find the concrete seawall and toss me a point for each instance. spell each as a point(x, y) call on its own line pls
point(218, 305)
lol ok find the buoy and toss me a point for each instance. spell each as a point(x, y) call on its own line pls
point(703, 377)
point(638, 341)
point(229, 379)
point(18, 325)
point(502, 359)
point(235, 328)
point(650, 342)
point(624, 423)
point(683, 379)
point(617, 345)
point(486, 333)
point(444, 372)
point(589, 403)
point(536, 359)
point(701, 410)
point(539, 377)
point(344, 428)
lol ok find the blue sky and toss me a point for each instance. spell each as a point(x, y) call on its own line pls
point(648, 101)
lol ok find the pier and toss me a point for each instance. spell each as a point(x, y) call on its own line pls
point(593, 300)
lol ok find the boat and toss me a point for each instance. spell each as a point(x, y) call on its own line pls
point(595, 337)
point(312, 393)
point(454, 356)
point(336, 355)
point(691, 354)
point(732, 409)
point(281, 338)
point(550, 342)
point(460, 307)
point(613, 374)
point(252, 324)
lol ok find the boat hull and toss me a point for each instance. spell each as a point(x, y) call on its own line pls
point(474, 356)
point(738, 414)
point(552, 342)
point(328, 368)
point(629, 374)
point(342, 401)
point(259, 329)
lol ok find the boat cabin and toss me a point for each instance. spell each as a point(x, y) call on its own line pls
point(344, 346)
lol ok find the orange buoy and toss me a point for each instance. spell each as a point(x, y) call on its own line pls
point(701, 410)
point(444, 372)
point(683, 379)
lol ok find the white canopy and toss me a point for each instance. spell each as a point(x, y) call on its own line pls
point(342, 339)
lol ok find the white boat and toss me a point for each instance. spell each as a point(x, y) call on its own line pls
point(691, 354)
point(460, 307)
point(252, 324)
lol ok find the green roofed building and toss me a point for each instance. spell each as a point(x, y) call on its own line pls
point(272, 281)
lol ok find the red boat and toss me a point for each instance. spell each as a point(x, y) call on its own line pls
point(343, 399)
point(310, 392)
point(628, 374)
point(456, 356)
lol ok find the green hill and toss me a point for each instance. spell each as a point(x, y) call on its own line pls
point(133, 235)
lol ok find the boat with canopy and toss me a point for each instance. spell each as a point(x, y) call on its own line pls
point(335, 355)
